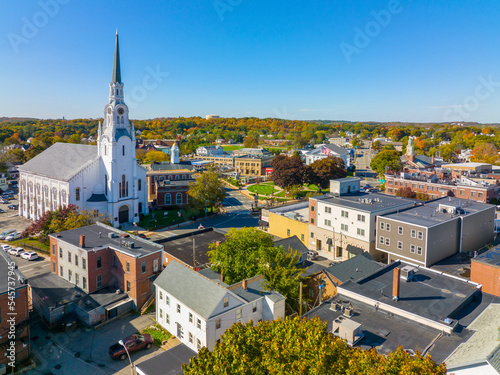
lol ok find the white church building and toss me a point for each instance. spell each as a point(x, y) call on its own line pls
point(105, 177)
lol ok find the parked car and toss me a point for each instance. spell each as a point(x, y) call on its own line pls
point(13, 207)
point(6, 233)
point(312, 255)
point(29, 255)
point(4, 201)
point(5, 248)
point(1, 211)
point(16, 251)
point(13, 236)
point(133, 344)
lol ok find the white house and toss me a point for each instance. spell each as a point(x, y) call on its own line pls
point(105, 177)
point(197, 307)
point(326, 150)
point(210, 151)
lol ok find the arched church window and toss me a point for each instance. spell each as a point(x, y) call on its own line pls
point(63, 196)
point(178, 198)
point(77, 194)
point(38, 189)
point(168, 199)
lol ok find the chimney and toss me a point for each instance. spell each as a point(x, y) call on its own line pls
point(221, 276)
point(395, 283)
point(82, 240)
point(432, 159)
point(244, 284)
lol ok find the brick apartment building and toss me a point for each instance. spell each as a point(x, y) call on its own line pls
point(485, 270)
point(98, 256)
point(168, 183)
point(18, 306)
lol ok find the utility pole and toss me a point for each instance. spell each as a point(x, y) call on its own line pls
point(300, 299)
point(194, 256)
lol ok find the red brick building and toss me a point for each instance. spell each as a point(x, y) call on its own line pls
point(485, 270)
point(98, 256)
point(168, 184)
point(14, 314)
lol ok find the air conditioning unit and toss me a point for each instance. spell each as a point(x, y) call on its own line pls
point(111, 235)
point(348, 311)
point(407, 272)
point(334, 306)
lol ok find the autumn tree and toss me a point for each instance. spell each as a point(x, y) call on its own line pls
point(287, 171)
point(323, 170)
point(251, 141)
point(386, 159)
point(376, 146)
point(485, 153)
point(357, 142)
point(207, 190)
point(406, 192)
point(300, 346)
point(157, 156)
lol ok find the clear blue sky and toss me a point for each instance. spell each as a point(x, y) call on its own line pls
point(288, 59)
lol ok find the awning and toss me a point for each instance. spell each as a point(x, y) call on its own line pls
point(354, 250)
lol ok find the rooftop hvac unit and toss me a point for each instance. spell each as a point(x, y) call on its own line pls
point(348, 311)
point(334, 306)
point(111, 235)
point(407, 272)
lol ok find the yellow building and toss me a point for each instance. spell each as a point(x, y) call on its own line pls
point(290, 220)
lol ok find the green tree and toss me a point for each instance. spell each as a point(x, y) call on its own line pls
point(357, 142)
point(208, 189)
point(377, 146)
point(299, 346)
point(323, 170)
point(384, 159)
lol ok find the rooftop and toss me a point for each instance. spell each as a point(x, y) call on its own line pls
point(465, 165)
point(99, 236)
point(386, 332)
point(491, 257)
point(181, 246)
point(355, 268)
point(167, 362)
point(368, 202)
point(431, 213)
point(158, 167)
point(292, 242)
point(299, 211)
point(18, 278)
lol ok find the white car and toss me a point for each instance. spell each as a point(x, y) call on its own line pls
point(13, 236)
point(5, 248)
point(29, 255)
point(16, 251)
point(6, 233)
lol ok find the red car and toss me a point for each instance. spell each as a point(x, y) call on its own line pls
point(133, 344)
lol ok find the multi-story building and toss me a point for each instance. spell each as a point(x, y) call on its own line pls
point(198, 309)
point(326, 150)
point(253, 165)
point(485, 270)
point(209, 151)
point(168, 183)
point(437, 229)
point(289, 221)
point(343, 226)
point(14, 319)
point(97, 256)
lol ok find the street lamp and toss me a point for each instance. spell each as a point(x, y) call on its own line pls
point(128, 354)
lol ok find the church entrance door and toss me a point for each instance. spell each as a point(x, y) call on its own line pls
point(123, 214)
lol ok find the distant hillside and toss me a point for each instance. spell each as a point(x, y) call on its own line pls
point(16, 119)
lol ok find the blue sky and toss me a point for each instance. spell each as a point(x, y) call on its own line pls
point(422, 61)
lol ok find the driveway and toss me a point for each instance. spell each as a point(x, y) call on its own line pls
point(84, 351)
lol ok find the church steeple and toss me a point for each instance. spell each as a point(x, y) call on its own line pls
point(117, 76)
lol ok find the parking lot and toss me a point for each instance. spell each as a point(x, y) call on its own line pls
point(31, 268)
point(10, 219)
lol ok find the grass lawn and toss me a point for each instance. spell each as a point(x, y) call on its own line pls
point(311, 187)
point(30, 244)
point(262, 189)
point(232, 147)
point(165, 218)
point(158, 333)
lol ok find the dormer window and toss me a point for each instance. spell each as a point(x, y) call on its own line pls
point(226, 301)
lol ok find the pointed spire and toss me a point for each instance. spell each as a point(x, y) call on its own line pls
point(99, 129)
point(117, 77)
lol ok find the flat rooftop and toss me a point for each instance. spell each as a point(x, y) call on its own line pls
point(491, 257)
point(386, 332)
point(428, 214)
point(369, 202)
point(429, 294)
point(18, 277)
point(181, 246)
point(98, 235)
point(298, 211)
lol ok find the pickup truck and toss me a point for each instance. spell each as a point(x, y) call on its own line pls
point(133, 344)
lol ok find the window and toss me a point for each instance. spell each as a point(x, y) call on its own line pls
point(480, 194)
point(99, 281)
point(53, 266)
point(77, 194)
point(254, 307)
point(167, 300)
point(128, 267)
point(461, 192)
point(302, 237)
point(328, 223)
point(312, 235)
point(155, 265)
point(178, 309)
point(344, 227)
point(123, 150)
point(84, 282)
point(61, 271)
point(217, 324)
point(312, 220)
point(190, 318)
point(419, 250)
point(161, 314)
point(167, 318)
point(420, 235)
point(412, 248)
point(381, 226)
point(53, 249)
point(139, 185)
point(99, 262)
point(328, 210)
point(106, 184)
point(143, 267)
point(60, 253)
point(76, 260)
point(413, 233)
point(198, 323)
point(190, 338)
point(115, 261)
point(168, 199)
point(312, 208)
point(84, 263)
point(77, 279)
point(387, 241)
point(128, 286)
point(161, 295)
point(387, 226)
point(178, 198)
point(198, 344)
point(473, 193)
point(361, 218)
point(400, 245)
point(361, 232)
point(69, 257)
point(238, 313)
point(400, 230)
point(288, 232)
point(226, 301)
point(344, 214)
point(381, 240)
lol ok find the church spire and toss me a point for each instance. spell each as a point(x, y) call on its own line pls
point(117, 77)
